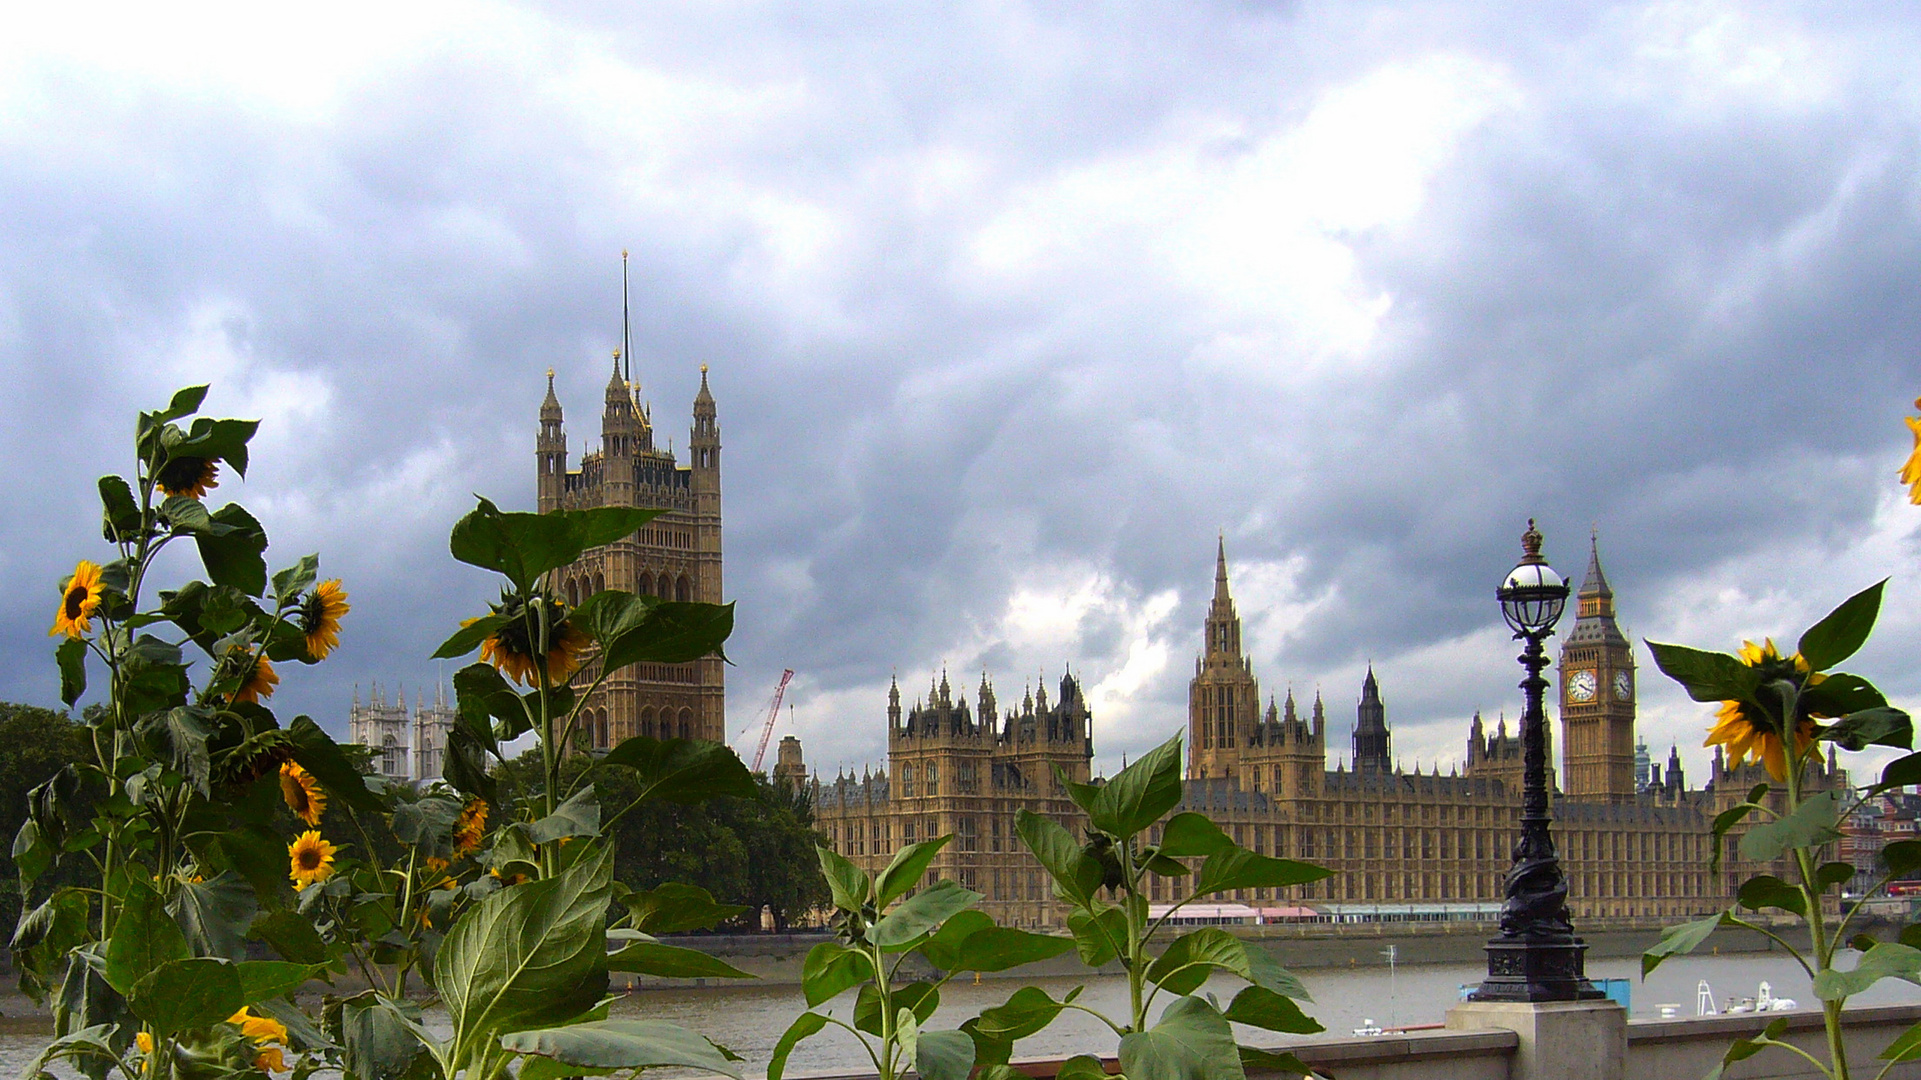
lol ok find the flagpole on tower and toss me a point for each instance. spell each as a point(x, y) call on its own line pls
point(626, 334)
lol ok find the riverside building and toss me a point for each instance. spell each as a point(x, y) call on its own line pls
point(1404, 845)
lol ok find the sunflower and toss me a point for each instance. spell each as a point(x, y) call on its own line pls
point(312, 859)
point(259, 682)
point(270, 1059)
point(510, 649)
point(189, 476)
point(1748, 732)
point(304, 795)
point(319, 617)
point(79, 598)
point(144, 1041)
point(470, 827)
point(1911, 472)
point(261, 1029)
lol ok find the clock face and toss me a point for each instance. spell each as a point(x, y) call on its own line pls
point(1623, 686)
point(1581, 686)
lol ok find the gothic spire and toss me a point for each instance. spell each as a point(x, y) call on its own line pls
point(1220, 572)
point(1596, 583)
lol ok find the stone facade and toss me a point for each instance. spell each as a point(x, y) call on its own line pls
point(405, 746)
point(1394, 838)
point(676, 556)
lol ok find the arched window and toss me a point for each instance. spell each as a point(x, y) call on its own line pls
point(600, 582)
point(573, 592)
point(600, 731)
point(647, 722)
point(681, 590)
point(646, 585)
point(686, 723)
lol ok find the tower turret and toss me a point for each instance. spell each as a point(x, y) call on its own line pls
point(1223, 700)
point(550, 452)
point(1372, 744)
point(1597, 696)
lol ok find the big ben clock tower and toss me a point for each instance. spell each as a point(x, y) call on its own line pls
point(1597, 697)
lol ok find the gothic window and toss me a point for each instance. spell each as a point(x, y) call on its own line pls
point(686, 723)
point(600, 582)
point(600, 731)
point(907, 781)
point(681, 590)
point(969, 839)
point(647, 722)
point(646, 587)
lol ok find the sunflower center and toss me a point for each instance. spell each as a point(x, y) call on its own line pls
point(76, 597)
point(310, 859)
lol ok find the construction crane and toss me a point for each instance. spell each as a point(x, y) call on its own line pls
point(773, 714)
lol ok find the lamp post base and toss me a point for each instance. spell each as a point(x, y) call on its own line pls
point(1523, 970)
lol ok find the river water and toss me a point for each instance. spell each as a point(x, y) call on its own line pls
point(750, 1019)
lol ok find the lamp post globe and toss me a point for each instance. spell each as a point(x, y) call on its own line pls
point(1536, 957)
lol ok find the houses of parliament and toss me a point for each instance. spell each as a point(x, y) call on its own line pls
point(1632, 846)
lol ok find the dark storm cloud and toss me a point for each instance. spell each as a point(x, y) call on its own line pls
point(1008, 312)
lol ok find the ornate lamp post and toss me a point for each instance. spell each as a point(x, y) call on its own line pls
point(1537, 957)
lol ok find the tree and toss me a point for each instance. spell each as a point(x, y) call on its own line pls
point(34, 743)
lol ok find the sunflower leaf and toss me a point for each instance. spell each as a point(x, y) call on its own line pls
point(1707, 676)
point(288, 584)
point(1810, 825)
point(468, 638)
point(317, 753)
point(120, 515)
point(1881, 726)
point(671, 633)
point(72, 657)
point(233, 556)
point(682, 770)
point(1842, 631)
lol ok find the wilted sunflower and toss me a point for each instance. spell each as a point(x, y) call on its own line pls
point(271, 1060)
point(189, 476)
point(79, 598)
point(312, 859)
point(261, 1029)
point(1911, 472)
point(304, 795)
point(510, 649)
point(470, 827)
point(1748, 732)
point(319, 617)
point(259, 682)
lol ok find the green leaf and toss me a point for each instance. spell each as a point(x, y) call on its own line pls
point(1243, 869)
point(1257, 1006)
point(1901, 857)
point(264, 979)
point(672, 962)
point(234, 553)
point(1768, 891)
point(1191, 835)
point(905, 870)
point(849, 884)
point(1842, 631)
point(427, 823)
point(1883, 726)
point(683, 770)
point(1098, 937)
point(672, 633)
point(1707, 676)
point(830, 968)
point(944, 1055)
point(1682, 939)
point(289, 584)
point(1192, 1041)
point(290, 935)
point(91, 1048)
point(1079, 1067)
point(1026, 1012)
point(1840, 694)
point(144, 939)
point(1810, 825)
point(919, 915)
point(999, 948)
point(1905, 1048)
point(1138, 795)
point(675, 907)
point(468, 637)
point(376, 1042)
point(919, 998)
point(214, 914)
point(1269, 973)
point(1900, 772)
point(72, 658)
point(603, 525)
point(1888, 960)
point(806, 1025)
point(1076, 876)
point(1191, 958)
point(120, 515)
point(1828, 875)
point(1729, 818)
point(520, 546)
point(943, 949)
point(622, 1044)
point(528, 956)
point(317, 753)
point(187, 994)
point(186, 516)
point(578, 816)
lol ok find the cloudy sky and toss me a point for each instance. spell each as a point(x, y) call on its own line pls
point(1010, 310)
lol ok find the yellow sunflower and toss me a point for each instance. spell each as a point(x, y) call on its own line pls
point(312, 859)
point(1748, 732)
point(270, 1059)
point(304, 795)
point(189, 476)
point(471, 827)
point(79, 599)
point(261, 1029)
point(259, 682)
point(319, 617)
point(1911, 472)
point(510, 650)
point(144, 1041)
